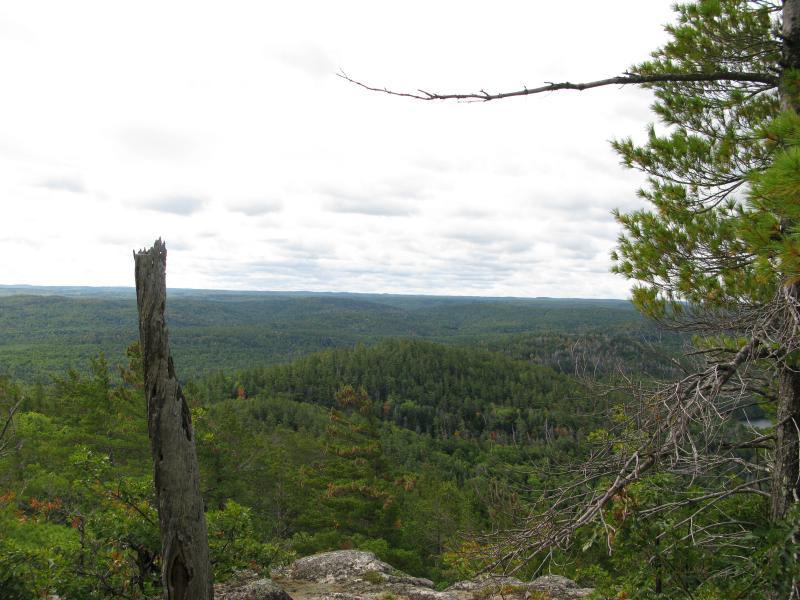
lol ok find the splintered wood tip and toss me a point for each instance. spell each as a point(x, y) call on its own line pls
point(159, 248)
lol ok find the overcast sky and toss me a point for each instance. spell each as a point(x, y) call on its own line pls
point(222, 128)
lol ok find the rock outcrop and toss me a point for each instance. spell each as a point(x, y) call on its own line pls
point(549, 587)
point(248, 585)
point(485, 582)
point(358, 575)
point(558, 587)
point(344, 565)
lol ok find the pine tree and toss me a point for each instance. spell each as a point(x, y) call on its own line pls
point(358, 496)
point(719, 249)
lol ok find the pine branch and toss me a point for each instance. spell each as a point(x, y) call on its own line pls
point(626, 79)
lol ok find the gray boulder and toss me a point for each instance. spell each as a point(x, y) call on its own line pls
point(249, 586)
point(558, 587)
point(484, 582)
point(553, 587)
point(331, 596)
point(340, 565)
point(358, 575)
point(348, 565)
point(423, 593)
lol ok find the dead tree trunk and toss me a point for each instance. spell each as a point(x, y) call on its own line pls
point(185, 571)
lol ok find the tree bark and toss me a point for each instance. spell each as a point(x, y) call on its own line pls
point(185, 568)
point(786, 473)
point(790, 61)
point(785, 489)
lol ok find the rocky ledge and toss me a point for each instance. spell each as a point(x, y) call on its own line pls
point(357, 575)
point(248, 585)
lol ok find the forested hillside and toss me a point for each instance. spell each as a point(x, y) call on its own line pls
point(323, 421)
point(44, 331)
point(352, 440)
point(343, 448)
point(428, 388)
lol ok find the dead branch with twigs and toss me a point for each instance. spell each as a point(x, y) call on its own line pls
point(690, 428)
point(752, 82)
point(8, 426)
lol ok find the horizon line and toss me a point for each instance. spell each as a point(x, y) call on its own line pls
point(296, 292)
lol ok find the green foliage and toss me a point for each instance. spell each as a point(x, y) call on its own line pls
point(780, 550)
point(281, 477)
point(35, 554)
point(599, 353)
point(359, 499)
point(373, 577)
point(84, 521)
point(433, 389)
point(691, 247)
point(234, 547)
point(770, 225)
point(343, 464)
point(333, 469)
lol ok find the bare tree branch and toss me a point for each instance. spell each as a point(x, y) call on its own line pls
point(768, 79)
point(686, 428)
point(7, 425)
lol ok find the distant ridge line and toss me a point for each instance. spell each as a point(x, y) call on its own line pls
point(77, 290)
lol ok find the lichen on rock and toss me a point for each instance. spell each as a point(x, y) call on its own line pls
point(250, 586)
point(358, 575)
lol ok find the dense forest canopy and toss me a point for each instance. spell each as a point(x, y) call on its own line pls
point(44, 331)
point(351, 447)
point(333, 449)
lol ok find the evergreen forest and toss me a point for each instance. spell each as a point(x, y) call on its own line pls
point(377, 409)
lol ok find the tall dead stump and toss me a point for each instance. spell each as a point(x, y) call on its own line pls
point(185, 572)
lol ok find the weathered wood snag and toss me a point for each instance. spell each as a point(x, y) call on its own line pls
point(185, 570)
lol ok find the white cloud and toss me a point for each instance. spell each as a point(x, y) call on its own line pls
point(308, 58)
point(177, 205)
point(256, 208)
point(63, 184)
point(290, 178)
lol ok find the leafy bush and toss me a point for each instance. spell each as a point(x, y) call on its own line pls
point(233, 545)
point(36, 557)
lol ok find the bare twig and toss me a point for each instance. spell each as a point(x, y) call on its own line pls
point(4, 438)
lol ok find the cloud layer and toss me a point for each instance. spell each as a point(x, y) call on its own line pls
point(229, 135)
point(182, 205)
